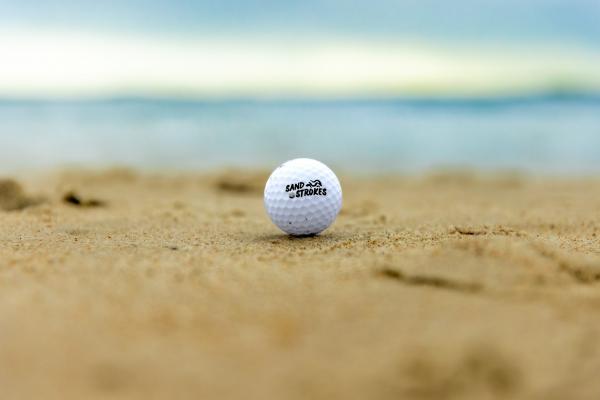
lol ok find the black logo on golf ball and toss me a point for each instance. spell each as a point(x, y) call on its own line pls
point(302, 189)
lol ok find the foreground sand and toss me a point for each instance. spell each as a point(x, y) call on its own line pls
point(179, 287)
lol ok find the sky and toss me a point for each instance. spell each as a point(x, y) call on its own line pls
point(336, 48)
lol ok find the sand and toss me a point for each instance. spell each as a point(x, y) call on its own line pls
point(125, 285)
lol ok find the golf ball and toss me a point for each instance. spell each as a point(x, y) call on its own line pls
point(303, 197)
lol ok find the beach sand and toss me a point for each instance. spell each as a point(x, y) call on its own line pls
point(125, 285)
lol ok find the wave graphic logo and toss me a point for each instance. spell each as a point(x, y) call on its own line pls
point(314, 184)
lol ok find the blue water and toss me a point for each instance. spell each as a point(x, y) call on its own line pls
point(547, 135)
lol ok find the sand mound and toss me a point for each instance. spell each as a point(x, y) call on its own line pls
point(12, 196)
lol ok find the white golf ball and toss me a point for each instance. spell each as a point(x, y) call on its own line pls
point(303, 197)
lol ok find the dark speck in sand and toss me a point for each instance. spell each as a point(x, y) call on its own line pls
point(241, 182)
point(74, 199)
point(234, 187)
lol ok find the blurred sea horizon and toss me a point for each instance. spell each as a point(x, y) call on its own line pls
point(547, 134)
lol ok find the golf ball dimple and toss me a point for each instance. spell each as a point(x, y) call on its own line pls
point(303, 197)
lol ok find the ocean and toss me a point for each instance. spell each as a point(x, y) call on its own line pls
point(538, 134)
